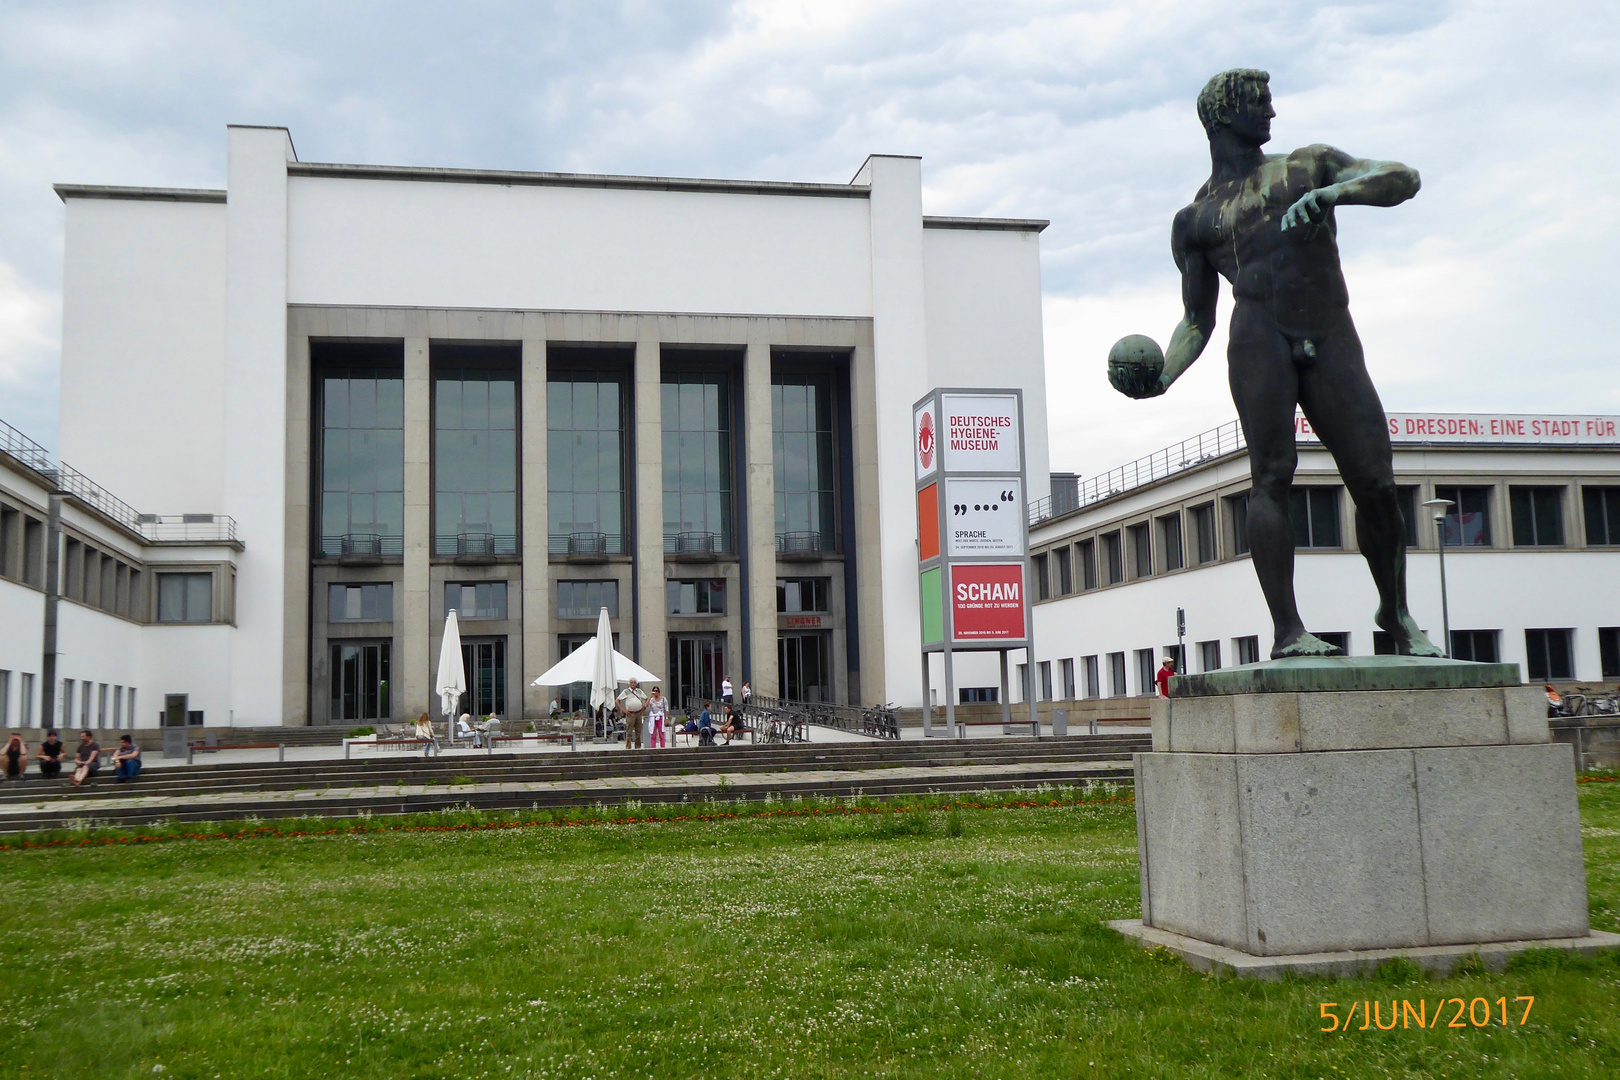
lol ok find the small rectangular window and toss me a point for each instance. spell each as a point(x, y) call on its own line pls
point(1314, 512)
point(1336, 638)
point(978, 695)
point(1407, 496)
point(1043, 584)
point(1237, 512)
point(118, 706)
point(1538, 516)
point(1046, 679)
point(1209, 656)
point(185, 598)
point(586, 599)
point(1602, 506)
point(1204, 528)
point(1023, 682)
point(1549, 655)
point(101, 705)
point(1247, 649)
point(1113, 559)
point(361, 603)
point(1609, 651)
point(1066, 671)
point(1065, 574)
point(1476, 645)
point(702, 597)
point(1086, 552)
point(1468, 520)
point(25, 701)
point(132, 712)
point(1146, 669)
point(1093, 677)
point(476, 600)
point(84, 704)
point(1383, 643)
point(67, 703)
point(1116, 675)
point(5, 700)
point(1170, 537)
point(1141, 551)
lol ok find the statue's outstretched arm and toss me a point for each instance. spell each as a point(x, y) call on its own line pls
point(1351, 181)
point(1200, 286)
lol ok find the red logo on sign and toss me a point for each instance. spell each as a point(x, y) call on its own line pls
point(987, 601)
point(925, 441)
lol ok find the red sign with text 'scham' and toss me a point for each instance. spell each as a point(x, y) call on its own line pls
point(987, 601)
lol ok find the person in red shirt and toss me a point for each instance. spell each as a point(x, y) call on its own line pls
point(1163, 678)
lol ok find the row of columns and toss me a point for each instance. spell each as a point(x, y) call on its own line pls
point(648, 645)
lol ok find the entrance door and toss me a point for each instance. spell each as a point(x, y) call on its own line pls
point(360, 680)
point(804, 661)
point(484, 660)
point(697, 663)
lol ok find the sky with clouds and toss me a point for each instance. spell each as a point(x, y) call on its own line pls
point(1491, 291)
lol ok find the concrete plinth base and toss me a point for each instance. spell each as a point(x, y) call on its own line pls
point(1438, 959)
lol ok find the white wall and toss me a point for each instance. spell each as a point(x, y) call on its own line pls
point(143, 311)
point(984, 323)
point(425, 244)
point(22, 617)
point(94, 648)
point(197, 661)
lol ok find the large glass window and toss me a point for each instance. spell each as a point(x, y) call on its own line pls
point(585, 464)
point(1043, 580)
point(362, 453)
point(475, 462)
point(360, 603)
point(1086, 552)
point(1062, 574)
point(485, 665)
point(1141, 551)
point(802, 430)
point(586, 599)
point(1116, 675)
point(1170, 531)
point(805, 666)
point(794, 595)
point(359, 681)
point(1609, 651)
point(704, 597)
point(1602, 505)
point(1476, 645)
point(1538, 516)
point(1204, 529)
point(1247, 649)
point(1113, 559)
point(1468, 520)
point(1315, 514)
point(477, 600)
point(697, 462)
point(1237, 512)
point(1093, 680)
point(185, 598)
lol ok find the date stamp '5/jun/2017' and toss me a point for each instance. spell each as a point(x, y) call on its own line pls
point(1479, 1012)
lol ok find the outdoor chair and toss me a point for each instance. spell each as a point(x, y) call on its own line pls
point(492, 731)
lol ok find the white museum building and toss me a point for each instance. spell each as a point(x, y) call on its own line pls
point(1532, 550)
point(311, 412)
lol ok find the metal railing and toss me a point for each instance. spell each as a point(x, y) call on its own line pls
point(765, 723)
point(188, 527)
point(694, 543)
point(24, 449)
point(71, 481)
point(1214, 443)
point(873, 721)
point(361, 544)
point(586, 543)
point(474, 545)
point(804, 543)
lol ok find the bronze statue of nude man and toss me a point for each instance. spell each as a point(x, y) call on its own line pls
point(1265, 223)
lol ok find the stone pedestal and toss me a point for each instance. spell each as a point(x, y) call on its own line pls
point(1277, 827)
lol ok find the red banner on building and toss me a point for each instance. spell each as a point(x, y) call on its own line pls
point(987, 601)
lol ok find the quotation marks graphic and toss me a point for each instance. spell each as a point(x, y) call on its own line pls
point(961, 508)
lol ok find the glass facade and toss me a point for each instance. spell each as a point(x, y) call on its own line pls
point(585, 464)
point(475, 462)
point(476, 600)
point(586, 599)
point(359, 681)
point(362, 461)
point(802, 433)
point(697, 462)
point(703, 597)
point(360, 603)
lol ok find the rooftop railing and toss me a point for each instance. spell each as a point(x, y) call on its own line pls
point(24, 449)
point(188, 528)
point(1214, 443)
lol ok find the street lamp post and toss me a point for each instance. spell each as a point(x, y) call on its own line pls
point(1438, 506)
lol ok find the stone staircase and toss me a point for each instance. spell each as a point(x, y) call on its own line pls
point(387, 784)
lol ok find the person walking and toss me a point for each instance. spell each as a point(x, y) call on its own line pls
point(50, 754)
point(16, 755)
point(424, 731)
point(126, 759)
point(632, 702)
point(1167, 669)
point(657, 719)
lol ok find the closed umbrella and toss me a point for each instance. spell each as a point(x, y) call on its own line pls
point(452, 673)
point(604, 681)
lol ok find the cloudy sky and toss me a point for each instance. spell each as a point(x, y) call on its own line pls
point(1492, 291)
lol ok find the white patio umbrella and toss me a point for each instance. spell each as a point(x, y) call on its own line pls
point(581, 666)
point(452, 673)
point(604, 681)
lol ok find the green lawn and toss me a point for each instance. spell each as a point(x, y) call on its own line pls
point(861, 946)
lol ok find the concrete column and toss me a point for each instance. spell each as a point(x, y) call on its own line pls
point(648, 480)
point(255, 420)
point(873, 686)
point(295, 664)
point(412, 668)
point(760, 491)
point(536, 519)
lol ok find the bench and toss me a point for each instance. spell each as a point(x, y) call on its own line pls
point(193, 749)
point(536, 736)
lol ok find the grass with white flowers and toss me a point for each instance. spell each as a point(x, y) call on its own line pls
point(933, 942)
